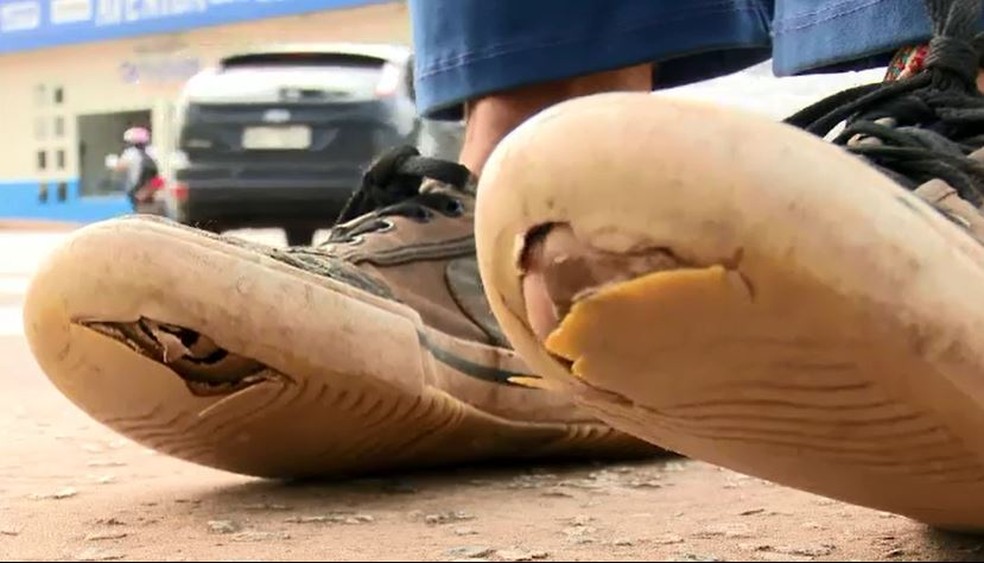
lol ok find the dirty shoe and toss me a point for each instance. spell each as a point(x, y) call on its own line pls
point(744, 293)
point(375, 351)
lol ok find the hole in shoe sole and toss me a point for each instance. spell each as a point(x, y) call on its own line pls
point(206, 368)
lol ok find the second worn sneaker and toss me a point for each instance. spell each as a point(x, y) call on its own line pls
point(375, 351)
point(744, 293)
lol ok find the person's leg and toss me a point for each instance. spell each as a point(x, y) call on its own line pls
point(489, 118)
point(798, 307)
point(498, 63)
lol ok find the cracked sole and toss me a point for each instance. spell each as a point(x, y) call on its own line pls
point(820, 329)
point(215, 353)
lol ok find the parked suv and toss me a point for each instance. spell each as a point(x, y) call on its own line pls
point(279, 137)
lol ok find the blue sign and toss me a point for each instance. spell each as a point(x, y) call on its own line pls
point(35, 24)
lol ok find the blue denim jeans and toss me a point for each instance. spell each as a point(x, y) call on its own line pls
point(468, 48)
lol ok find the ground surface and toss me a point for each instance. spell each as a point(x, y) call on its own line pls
point(70, 489)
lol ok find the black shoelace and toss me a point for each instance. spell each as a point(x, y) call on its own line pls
point(391, 187)
point(927, 124)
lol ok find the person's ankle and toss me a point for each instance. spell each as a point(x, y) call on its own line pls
point(489, 119)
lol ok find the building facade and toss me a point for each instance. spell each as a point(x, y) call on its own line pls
point(74, 74)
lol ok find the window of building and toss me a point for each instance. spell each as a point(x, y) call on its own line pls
point(62, 191)
point(43, 192)
point(58, 95)
point(60, 159)
point(59, 126)
point(42, 160)
point(40, 128)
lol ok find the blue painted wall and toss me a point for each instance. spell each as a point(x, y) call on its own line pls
point(36, 24)
point(21, 200)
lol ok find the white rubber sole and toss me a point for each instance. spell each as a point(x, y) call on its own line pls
point(823, 328)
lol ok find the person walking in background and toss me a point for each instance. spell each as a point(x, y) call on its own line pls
point(137, 163)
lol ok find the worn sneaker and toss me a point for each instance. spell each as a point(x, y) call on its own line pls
point(375, 351)
point(742, 292)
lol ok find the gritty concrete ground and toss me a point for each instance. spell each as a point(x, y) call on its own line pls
point(73, 490)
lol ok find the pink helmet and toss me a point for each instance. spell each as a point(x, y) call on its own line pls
point(136, 136)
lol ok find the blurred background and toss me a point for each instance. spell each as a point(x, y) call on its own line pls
point(260, 113)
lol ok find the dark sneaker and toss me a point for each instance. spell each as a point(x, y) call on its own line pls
point(375, 351)
point(742, 292)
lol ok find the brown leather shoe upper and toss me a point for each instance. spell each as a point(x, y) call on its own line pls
point(408, 235)
point(424, 257)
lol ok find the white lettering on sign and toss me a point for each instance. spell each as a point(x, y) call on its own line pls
point(114, 12)
point(20, 16)
point(70, 11)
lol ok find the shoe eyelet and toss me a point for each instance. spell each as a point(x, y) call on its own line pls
point(356, 240)
point(454, 208)
point(385, 226)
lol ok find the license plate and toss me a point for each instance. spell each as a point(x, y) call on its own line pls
point(293, 137)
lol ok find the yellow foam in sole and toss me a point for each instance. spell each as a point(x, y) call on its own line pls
point(620, 311)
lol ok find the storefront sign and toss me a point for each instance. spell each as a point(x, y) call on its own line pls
point(34, 24)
